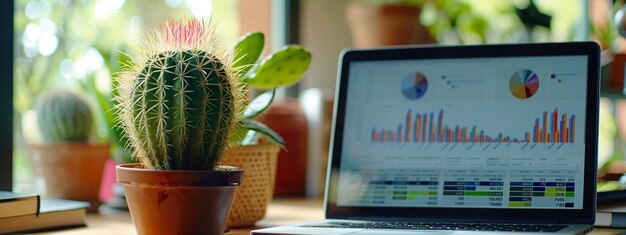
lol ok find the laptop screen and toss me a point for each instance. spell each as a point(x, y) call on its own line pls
point(499, 132)
point(485, 133)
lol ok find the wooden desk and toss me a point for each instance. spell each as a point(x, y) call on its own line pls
point(280, 212)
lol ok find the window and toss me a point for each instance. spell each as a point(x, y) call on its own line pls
point(66, 44)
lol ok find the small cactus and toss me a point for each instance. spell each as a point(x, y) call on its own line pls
point(179, 101)
point(63, 117)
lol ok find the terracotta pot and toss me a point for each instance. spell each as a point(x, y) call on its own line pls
point(374, 25)
point(289, 121)
point(255, 193)
point(70, 170)
point(178, 202)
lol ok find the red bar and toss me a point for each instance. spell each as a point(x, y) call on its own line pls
point(537, 133)
point(555, 125)
point(573, 129)
point(384, 136)
point(440, 127)
point(545, 126)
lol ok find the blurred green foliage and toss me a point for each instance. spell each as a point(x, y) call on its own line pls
point(80, 45)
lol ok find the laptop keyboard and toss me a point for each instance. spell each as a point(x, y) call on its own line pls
point(442, 226)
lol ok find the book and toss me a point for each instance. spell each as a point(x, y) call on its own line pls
point(53, 214)
point(611, 215)
point(17, 204)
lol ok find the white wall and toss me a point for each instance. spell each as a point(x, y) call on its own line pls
point(323, 30)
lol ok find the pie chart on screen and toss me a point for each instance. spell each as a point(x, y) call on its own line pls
point(524, 84)
point(414, 85)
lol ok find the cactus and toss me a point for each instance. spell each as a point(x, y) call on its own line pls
point(279, 69)
point(64, 116)
point(179, 101)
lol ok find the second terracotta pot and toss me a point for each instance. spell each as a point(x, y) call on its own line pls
point(70, 170)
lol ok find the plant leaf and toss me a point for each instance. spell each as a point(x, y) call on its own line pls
point(247, 51)
point(264, 130)
point(282, 68)
point(259, 104)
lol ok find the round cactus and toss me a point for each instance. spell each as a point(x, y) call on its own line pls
point(64, 116)
point(178, 104)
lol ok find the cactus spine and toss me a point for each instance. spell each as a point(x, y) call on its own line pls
point(63, 117)
point(179, 104)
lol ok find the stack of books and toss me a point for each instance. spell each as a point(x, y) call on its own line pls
point(20, 212)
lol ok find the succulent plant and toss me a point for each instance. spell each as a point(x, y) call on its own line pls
point(179, 101)
point(281, 68)
point(63, 116)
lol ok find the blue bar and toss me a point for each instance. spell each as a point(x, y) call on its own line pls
point(535, 130)
point(570, 184)
point(521, 183)
point(569, 189)
point(470, 188)
point(453, 188)
point(520, 199)
point(561, 132)
point(438, 125)
point(569, 204)
point(399, 137)
point(454, 183)
point(482, 133)
point(432, 122)
point(539, 183)
point(563, 184)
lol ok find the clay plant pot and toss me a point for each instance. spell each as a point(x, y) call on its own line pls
point(375, 25)
point(179, 202)
point(255, 193)
point(70, 170)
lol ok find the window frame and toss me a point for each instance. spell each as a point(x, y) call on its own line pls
point(6, 97)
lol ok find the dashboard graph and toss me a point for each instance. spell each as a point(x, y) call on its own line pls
point(551, 127)
point(480, 133)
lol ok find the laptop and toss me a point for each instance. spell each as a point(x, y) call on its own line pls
point(461, 140)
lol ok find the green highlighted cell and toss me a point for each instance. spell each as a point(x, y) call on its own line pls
point(520, 204)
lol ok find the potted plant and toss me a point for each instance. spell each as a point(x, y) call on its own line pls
point(179, 102)
point(69, 164)
point(383, 22)
point(258, 158)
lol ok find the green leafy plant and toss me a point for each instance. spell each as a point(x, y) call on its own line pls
point(63, 116)
point(281, 68)
point(108, 118)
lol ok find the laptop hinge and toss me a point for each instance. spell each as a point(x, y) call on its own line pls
point(447, 220)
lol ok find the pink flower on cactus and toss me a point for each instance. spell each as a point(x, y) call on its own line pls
point(186, 32)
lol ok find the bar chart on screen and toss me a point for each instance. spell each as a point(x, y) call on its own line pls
point(549, 127)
